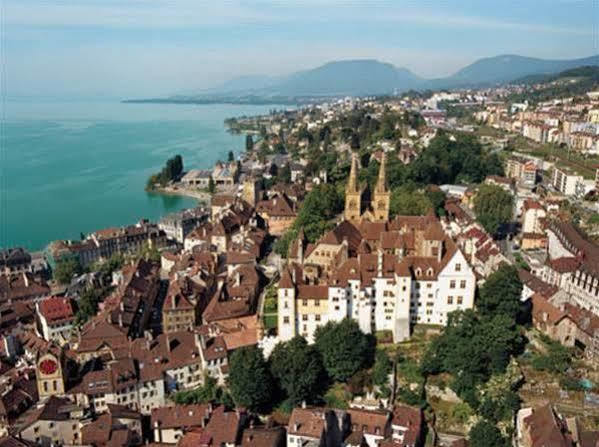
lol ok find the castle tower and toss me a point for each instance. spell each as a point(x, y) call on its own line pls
point(353, 194)
point(250, 192)
point(382, 196)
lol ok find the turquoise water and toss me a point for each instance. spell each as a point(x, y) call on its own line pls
point(67, 168)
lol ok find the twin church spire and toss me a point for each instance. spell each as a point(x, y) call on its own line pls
point(380, 200)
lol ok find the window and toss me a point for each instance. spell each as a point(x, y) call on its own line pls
point(304, 317)
point(286, 306)
point(285, 320)
point(452, 284)
point(450, 300)
point(317, 317)
point(463, 284)
point(460, 299)
point(317, 303)
point(458, 267)
point(304, 302)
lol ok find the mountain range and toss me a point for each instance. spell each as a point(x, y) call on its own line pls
point(372, 77)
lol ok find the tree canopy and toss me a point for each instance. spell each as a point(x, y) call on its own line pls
point(406, 201)
point(250, 381)
point(485, 434)
point(472, 348)
point(382, 368)
point(493, 207)
point(448, 161)
point(66, 269)
point(345, 349)
point(249, 143)
point(298, 368)
point(501, 293)
point(171, 171)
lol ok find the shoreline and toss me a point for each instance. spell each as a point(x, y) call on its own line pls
point(200, 196)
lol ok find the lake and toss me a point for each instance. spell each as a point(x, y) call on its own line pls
point(68, 168)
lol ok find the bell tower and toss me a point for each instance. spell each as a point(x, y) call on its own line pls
point(382, 196)
point(353, 194)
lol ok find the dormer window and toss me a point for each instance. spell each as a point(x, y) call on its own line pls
point(429, 272)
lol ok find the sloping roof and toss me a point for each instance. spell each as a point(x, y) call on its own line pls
point(308, 422)
point(224, 426)
point(262, 437)
point(56, 309)
point(372, 422)
point(181, 416)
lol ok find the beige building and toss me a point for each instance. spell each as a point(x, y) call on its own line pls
point(56, 421)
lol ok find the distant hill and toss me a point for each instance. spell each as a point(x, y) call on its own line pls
point(372, 77)
point(351, 77)
point(573, 82)
point(589, 71)
point(509, 67)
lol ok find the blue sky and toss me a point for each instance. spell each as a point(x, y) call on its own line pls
point(135, 48)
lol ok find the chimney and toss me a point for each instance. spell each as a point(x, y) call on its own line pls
point(168, 342)
point(380, 262)
point(122, 306)
point(237, 279)
point(25, 279)
point(121, 320)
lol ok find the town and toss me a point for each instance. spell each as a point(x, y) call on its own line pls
point(411, 270)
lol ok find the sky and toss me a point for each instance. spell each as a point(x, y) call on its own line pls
point(141, 48)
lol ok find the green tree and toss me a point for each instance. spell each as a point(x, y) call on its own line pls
point(344, 348)
point(66, 269)
point(485, 434)
point(298, 368)
point(408, 202)
point(472, 348)
point(493, 207)
point(249, 143)
point(250, 381)
point(281, 246)
point(320, 205)
point(231, 156)
point(285, 174)
point(211, 185)
point(382, 368)
point(501, 293)
point(437, 199)
point(87, 306)
point(501, 408)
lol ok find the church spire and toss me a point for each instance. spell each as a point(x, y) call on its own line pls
point(352, 184)
point(381, 183)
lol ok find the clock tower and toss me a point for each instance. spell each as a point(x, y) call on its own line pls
point(49, 368)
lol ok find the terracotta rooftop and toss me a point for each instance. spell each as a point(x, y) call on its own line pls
point(56, 309)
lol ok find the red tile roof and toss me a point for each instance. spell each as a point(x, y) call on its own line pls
point(56, 309)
